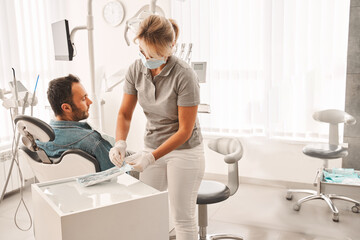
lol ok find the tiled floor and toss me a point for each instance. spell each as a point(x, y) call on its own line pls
point(254, 212)
point(258, 212)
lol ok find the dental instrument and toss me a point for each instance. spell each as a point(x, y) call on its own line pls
point(34, 94)
point(188, 54)
point(182, 50)
point(175, 49)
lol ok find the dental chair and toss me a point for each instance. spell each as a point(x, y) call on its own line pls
point(214, 192)
point(71, 163)
point(326, 152)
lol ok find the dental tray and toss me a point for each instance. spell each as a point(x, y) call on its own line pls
point(347, 190)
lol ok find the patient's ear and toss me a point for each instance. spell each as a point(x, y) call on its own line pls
point(66, 108)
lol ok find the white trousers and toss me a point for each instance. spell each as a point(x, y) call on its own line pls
point(181, 172)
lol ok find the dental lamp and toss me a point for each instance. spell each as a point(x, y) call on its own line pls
point(134, 22)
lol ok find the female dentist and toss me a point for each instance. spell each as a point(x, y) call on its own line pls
point(168, 91)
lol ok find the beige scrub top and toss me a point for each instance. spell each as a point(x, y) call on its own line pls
point(176, 85)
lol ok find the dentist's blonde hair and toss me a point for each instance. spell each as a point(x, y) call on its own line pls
point(159, 34)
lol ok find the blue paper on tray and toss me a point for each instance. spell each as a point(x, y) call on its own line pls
point(94, 178)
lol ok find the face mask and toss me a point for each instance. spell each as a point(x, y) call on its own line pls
point(151, 63)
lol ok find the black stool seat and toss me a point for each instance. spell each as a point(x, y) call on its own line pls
point(212, 192)
point(325, 151)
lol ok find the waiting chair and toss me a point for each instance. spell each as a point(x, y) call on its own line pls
point(71, 163)
point(214, 192)
point(331, 150)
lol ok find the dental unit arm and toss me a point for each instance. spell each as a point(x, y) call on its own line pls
point(20, 96)
point(188, 54)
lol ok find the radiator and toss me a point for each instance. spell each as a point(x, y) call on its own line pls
point(5, 162)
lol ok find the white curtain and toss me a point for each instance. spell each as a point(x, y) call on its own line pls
point(271, 63)
point(26, 45)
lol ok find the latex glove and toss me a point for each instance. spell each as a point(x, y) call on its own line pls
point(117, 153)
point(140, 161)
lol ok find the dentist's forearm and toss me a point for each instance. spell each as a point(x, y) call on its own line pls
point(176, 140)
point(122, 127)
point(124, 116)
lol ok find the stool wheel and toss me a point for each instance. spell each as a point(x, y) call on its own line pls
point(296, 207)
point(355, 209)
point(335, 218)
point(289, 196)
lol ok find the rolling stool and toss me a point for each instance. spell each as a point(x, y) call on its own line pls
point(326, 152)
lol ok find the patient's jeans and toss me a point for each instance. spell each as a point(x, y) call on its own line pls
point(181, 171)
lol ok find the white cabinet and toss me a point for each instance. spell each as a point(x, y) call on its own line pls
point(124, 208)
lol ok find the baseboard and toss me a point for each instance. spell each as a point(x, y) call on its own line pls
point(263, 182)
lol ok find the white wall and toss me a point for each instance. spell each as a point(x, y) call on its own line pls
point(270, 160)
point(263, 158)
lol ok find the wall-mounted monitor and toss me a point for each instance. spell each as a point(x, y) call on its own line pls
point(62, 43)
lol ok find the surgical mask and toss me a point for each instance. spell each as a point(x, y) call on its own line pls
point(151, 63)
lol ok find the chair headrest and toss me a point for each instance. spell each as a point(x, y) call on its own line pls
point(38, 129)
point(334, 116)
point(230, 147)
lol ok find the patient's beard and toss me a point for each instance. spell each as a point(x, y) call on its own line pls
point(79, 114)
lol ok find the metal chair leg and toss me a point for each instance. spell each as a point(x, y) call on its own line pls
point(334, 196)
point(297, 205)
point(354, 209)
point(224, 236)
point(291, 191)
point(332, 207)
point(203, 221)
point(324, 197)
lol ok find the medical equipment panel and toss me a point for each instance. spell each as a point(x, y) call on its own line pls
point(62, 43)
point(200, 69)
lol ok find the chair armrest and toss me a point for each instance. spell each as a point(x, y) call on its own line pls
point(83, 154)
point(32, 155)
point(231, 158)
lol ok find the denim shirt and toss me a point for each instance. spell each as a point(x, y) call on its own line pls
point(78, 135)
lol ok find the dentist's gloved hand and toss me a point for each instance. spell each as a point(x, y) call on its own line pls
point(140, 161)
point(117, 153)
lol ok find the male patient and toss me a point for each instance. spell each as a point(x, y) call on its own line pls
point(70, 103)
